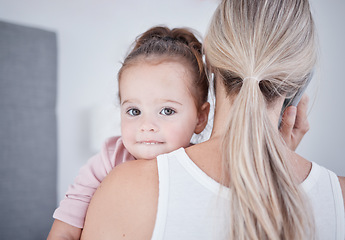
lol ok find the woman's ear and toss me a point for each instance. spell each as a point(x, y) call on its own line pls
point(202, 118)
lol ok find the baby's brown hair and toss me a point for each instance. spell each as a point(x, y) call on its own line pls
point(178, 44)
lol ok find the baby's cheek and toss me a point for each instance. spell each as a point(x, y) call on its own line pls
point(127, 138)
point(182, 137)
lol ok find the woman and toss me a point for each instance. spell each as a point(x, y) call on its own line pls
point(244, 182)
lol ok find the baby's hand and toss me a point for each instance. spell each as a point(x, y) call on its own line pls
point(295, 123)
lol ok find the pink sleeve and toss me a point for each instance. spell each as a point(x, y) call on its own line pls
point(73, 207)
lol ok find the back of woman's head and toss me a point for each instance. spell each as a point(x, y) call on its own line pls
point(272, 41)
point(261, 50)
point(159, 44)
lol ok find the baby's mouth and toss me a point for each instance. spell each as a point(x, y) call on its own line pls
point(150, 142)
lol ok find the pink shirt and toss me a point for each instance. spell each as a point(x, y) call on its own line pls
point(73, 207)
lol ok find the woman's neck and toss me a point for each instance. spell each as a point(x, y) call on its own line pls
point(299, 165)
point(223, 107)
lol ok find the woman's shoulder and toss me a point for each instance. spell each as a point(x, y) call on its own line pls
point(129, 197)
point(135, 173)
point(135, 170)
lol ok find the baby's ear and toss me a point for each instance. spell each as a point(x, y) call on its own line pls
point(202, 118)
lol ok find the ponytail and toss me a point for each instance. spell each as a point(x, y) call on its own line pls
point(260, 51)
point(265, 200)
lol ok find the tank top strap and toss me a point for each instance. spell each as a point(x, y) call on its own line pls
point(163, 176)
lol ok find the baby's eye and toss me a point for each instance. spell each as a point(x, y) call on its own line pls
point(167, 111)
point(134, 112)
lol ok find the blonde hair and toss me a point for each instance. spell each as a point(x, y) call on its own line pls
point(261, 50)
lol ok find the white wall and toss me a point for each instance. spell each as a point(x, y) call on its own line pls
point(325, 141)
point(94, 36)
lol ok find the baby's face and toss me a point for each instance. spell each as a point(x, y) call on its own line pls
point(158, 112)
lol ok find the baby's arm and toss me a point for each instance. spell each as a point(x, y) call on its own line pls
point(63, 231)
point(70, 215)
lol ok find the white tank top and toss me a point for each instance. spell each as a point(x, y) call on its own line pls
point(191, 205)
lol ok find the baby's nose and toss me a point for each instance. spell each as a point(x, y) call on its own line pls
point(148, 125)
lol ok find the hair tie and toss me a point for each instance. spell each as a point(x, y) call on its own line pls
point(253, 78)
